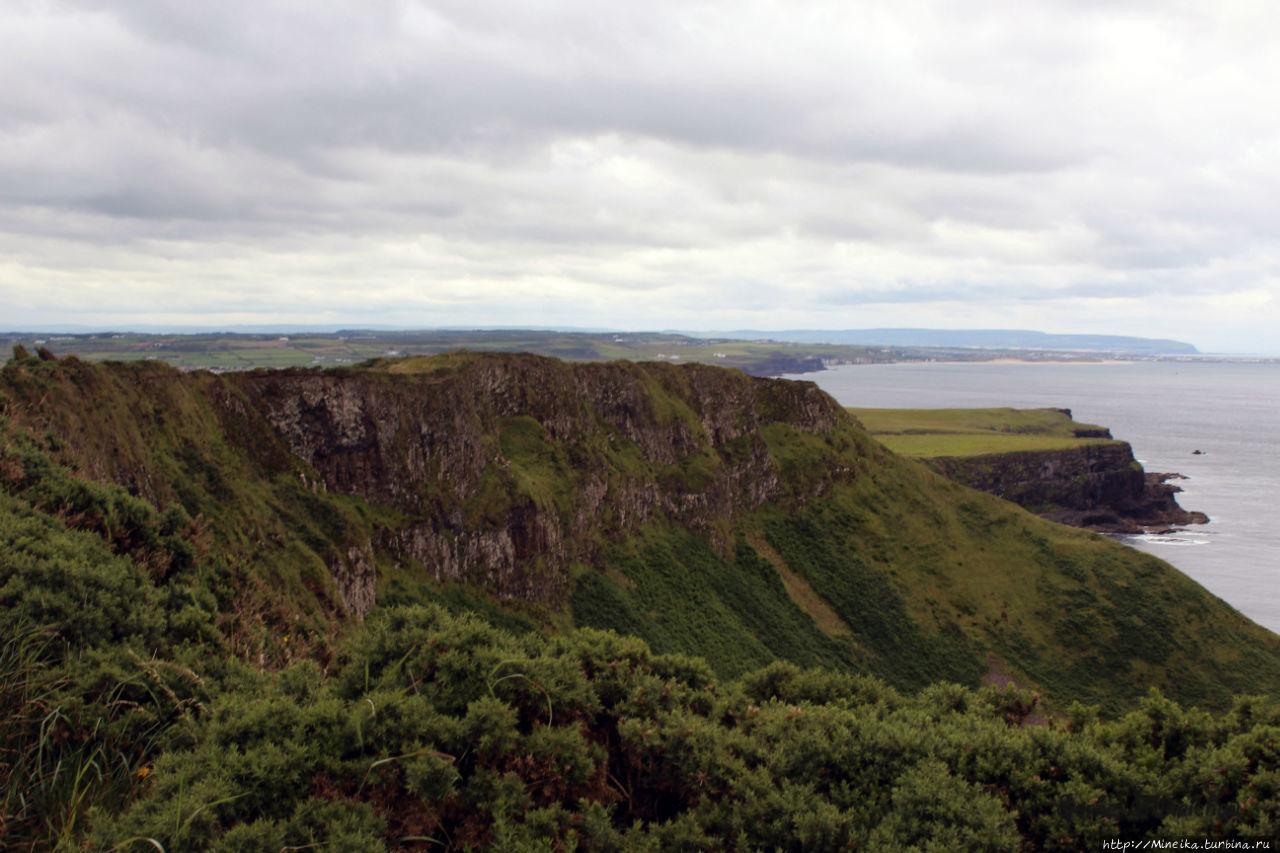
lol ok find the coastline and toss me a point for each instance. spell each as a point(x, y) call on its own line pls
point(1166, 410)
point(1063, 470)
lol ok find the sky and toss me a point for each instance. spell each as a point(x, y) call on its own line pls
point(1060, 165)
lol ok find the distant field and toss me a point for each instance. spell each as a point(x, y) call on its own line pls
point(239, 351)
point(218, 351)
point(973, 432)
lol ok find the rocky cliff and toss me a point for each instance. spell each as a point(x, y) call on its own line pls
point(496, 471)
point(1097, 486)
point(508, 469)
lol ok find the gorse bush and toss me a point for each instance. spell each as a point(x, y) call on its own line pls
point(102, 567)
point(96, 669)
point(438, 731)
point(129, 525)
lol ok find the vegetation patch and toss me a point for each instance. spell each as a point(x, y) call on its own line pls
point(819, 610)
point(440, 732)
point(687, 598)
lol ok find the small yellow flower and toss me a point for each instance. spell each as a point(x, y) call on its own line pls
point(144, 771)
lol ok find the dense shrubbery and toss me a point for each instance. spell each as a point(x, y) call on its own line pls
point(441, 732)
point(101, 668)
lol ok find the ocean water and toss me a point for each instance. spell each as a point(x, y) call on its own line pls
point(1230, 412)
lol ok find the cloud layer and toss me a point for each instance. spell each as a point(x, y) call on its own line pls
point(1064, 166)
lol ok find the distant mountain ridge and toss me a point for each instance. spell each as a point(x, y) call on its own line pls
point(967, 338)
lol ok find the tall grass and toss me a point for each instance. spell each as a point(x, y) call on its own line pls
point(77, 733)
point(27, 686)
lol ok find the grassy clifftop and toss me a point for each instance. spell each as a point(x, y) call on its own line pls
point(1040, 459)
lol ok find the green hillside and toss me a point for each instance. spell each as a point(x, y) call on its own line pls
point(710, 513)
point(191, 564)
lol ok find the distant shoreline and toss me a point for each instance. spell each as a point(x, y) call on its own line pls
point(1085, 361)
point(1082, 361)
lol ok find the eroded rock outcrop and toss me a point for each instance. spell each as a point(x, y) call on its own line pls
point(508, 469)
point(495, 470)
point(1098, 486)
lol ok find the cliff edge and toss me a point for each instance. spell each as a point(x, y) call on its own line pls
point(1099, 487)
point(1040, 459)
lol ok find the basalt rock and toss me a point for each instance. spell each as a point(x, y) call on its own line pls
point(1097, 486)
point(510, 468)
point(499, 471)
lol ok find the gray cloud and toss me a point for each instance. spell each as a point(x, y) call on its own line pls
point(604, 163)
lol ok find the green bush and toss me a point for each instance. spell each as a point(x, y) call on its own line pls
point(442, 731)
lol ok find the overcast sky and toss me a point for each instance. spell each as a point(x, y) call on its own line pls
point(1061, 165)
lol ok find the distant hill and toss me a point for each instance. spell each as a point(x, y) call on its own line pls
point(968, 338)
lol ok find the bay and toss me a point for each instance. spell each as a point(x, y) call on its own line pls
point(1229, 411)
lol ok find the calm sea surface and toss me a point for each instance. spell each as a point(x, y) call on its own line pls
point(1166, 410)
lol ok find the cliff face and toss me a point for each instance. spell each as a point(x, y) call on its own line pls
point(1101, 487)
point(508, 469)
point(496, 471)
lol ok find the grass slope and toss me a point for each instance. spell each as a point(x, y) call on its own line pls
point(934, 582)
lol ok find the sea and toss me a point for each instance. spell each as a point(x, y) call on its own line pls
point(1167, 410)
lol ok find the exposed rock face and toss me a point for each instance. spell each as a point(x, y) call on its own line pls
point(357, 579)
point(1101, 487)
point(500, 471)
point(510, 468)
